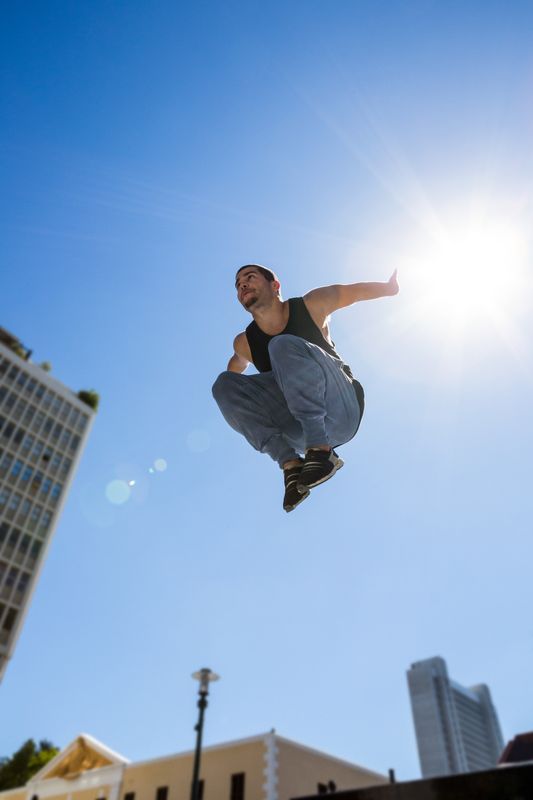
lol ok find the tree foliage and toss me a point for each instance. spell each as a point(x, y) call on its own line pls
point(25, 763)
point(90, 397)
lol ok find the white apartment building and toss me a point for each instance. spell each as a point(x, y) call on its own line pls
point(43, 429)
point(457, 728)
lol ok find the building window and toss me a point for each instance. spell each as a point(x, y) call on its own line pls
point(36, 483)
point(4, 494)
point(9, 583)
point(14, 503)
point(47, 402)
point(38, 420)
point(18, 437)
point(201, 790)
point(34, 554)
point(82, 423)
point(24, 546)
point(34, 517)
point(24, 510)
point(4, 530)
point(44, 523)
point(28, 416)
point(16, 469)
point(39, 391)
point(65, 467)
point(30, 386)
point(237, 786)
point(11, 543)
point(27, 444)
point(5, 464)
point(8, 430)
point(26, 475)
point(129, 796)
point(161, 793)
point(12, 374)
point(20, 408)
point(37, 451)
point(10, 619)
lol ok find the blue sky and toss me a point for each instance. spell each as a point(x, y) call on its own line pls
point(147, 150)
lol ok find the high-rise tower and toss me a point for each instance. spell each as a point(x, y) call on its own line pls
point(43, 428)
point(457, 729)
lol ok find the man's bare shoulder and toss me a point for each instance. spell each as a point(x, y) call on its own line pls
point(320, 296)
point(318, 303)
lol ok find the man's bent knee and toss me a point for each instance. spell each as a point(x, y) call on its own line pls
point(286, 342)
point(224, 384)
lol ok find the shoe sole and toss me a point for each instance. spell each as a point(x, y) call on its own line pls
point(336, 468)
point(303, 495)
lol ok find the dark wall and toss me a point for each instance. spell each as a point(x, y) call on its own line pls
point(504, 783)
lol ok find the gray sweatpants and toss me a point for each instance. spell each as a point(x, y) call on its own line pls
point(306, 400)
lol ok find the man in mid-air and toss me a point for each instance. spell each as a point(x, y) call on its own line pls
point(304, 399)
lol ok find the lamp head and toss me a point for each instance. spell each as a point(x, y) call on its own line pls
point(205, 676)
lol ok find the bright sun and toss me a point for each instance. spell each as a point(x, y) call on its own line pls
point(471, 272)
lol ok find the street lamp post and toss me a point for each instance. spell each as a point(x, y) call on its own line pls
point(205, 676)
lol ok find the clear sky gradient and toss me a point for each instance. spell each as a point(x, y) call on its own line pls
point(147, 150)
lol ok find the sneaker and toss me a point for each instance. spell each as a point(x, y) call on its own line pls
point(319, 466)
point(293, 495)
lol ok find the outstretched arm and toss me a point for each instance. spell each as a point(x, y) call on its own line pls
point(327, 299)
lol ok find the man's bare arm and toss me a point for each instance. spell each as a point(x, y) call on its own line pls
point(327, 299)
point(241, 354)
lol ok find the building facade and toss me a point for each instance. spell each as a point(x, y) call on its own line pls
point(457, 728)
point(265, 767)
point(43, 429)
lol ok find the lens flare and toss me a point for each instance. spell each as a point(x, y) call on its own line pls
point(117, 492)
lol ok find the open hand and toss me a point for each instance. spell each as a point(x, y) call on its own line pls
point(393, 286)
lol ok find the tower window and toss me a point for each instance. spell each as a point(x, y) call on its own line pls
point(237, 786)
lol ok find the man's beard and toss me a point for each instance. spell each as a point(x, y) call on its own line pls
point(249, 302)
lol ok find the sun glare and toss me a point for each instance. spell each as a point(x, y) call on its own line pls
point(472, 273)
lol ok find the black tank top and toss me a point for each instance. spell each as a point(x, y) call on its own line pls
point(300, 324)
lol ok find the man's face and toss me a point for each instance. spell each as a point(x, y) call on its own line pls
point(252, 287)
